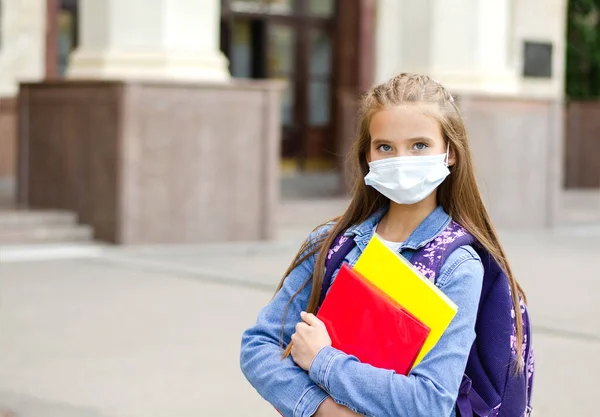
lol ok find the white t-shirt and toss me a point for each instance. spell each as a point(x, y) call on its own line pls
point(395, 246)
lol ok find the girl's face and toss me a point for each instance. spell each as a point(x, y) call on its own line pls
point(405, 131)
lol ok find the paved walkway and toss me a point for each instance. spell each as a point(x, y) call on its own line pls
point(155, 331)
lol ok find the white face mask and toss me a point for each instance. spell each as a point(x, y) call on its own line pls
point(408, 179)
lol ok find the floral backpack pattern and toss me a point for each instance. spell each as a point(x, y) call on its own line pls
point(492, 360)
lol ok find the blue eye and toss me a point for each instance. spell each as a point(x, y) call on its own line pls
point(385, 148)
point(420, 146)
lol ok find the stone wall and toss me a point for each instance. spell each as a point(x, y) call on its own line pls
point(517, 147)
point(154, 162)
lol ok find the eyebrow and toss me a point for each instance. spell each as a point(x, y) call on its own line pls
point(415, 139)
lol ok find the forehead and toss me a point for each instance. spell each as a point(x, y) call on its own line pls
point(404, 122)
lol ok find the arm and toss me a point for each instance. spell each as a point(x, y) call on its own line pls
point(330, 408)
point(432, 386)
point(281, 382)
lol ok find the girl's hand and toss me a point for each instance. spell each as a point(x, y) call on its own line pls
point(311, 336)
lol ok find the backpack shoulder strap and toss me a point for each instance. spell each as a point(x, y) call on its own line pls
point(430, 258)
point(429, 261)
point(488, 381)
point(340, 247)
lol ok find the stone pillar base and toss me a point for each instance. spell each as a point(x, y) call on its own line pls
point(86, 64)
point(517, 146)
point(154, 162)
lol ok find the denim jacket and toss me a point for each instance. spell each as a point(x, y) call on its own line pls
point(430, 389)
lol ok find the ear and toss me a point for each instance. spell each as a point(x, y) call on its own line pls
point(451, 157)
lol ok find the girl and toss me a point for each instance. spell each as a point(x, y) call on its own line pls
point(413, 175)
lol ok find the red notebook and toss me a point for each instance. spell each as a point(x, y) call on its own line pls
point(365, 322)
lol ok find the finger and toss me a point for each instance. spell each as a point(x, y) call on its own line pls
point(301, 327)
point(311, 319)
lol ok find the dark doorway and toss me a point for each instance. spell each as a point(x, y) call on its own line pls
point(62, 27)
point(68, 26)
point(290, 40)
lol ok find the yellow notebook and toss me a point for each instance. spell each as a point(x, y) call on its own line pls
point(398, 278)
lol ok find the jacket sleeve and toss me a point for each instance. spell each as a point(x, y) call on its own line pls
point(281, 382)
point(432, 386)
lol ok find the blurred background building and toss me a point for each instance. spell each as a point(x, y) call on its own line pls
point(506, 61)
point(161, 122)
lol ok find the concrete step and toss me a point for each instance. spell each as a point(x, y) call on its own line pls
point(50, 252)
point(12, 220)
point(46, 234)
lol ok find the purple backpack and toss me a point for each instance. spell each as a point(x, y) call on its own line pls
point(490, 387)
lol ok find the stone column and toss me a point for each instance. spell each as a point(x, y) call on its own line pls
point(464, 43)
point(22, 29)
point(475, 48)
point(149, 39)
point(472, 45)
point(22, 45)
point(141, 123)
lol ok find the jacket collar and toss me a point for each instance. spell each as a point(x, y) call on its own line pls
point(429, 228)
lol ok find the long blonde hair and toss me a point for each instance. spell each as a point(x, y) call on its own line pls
point(458, 194)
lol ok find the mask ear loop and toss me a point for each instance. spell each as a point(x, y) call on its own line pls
point(447, 154)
